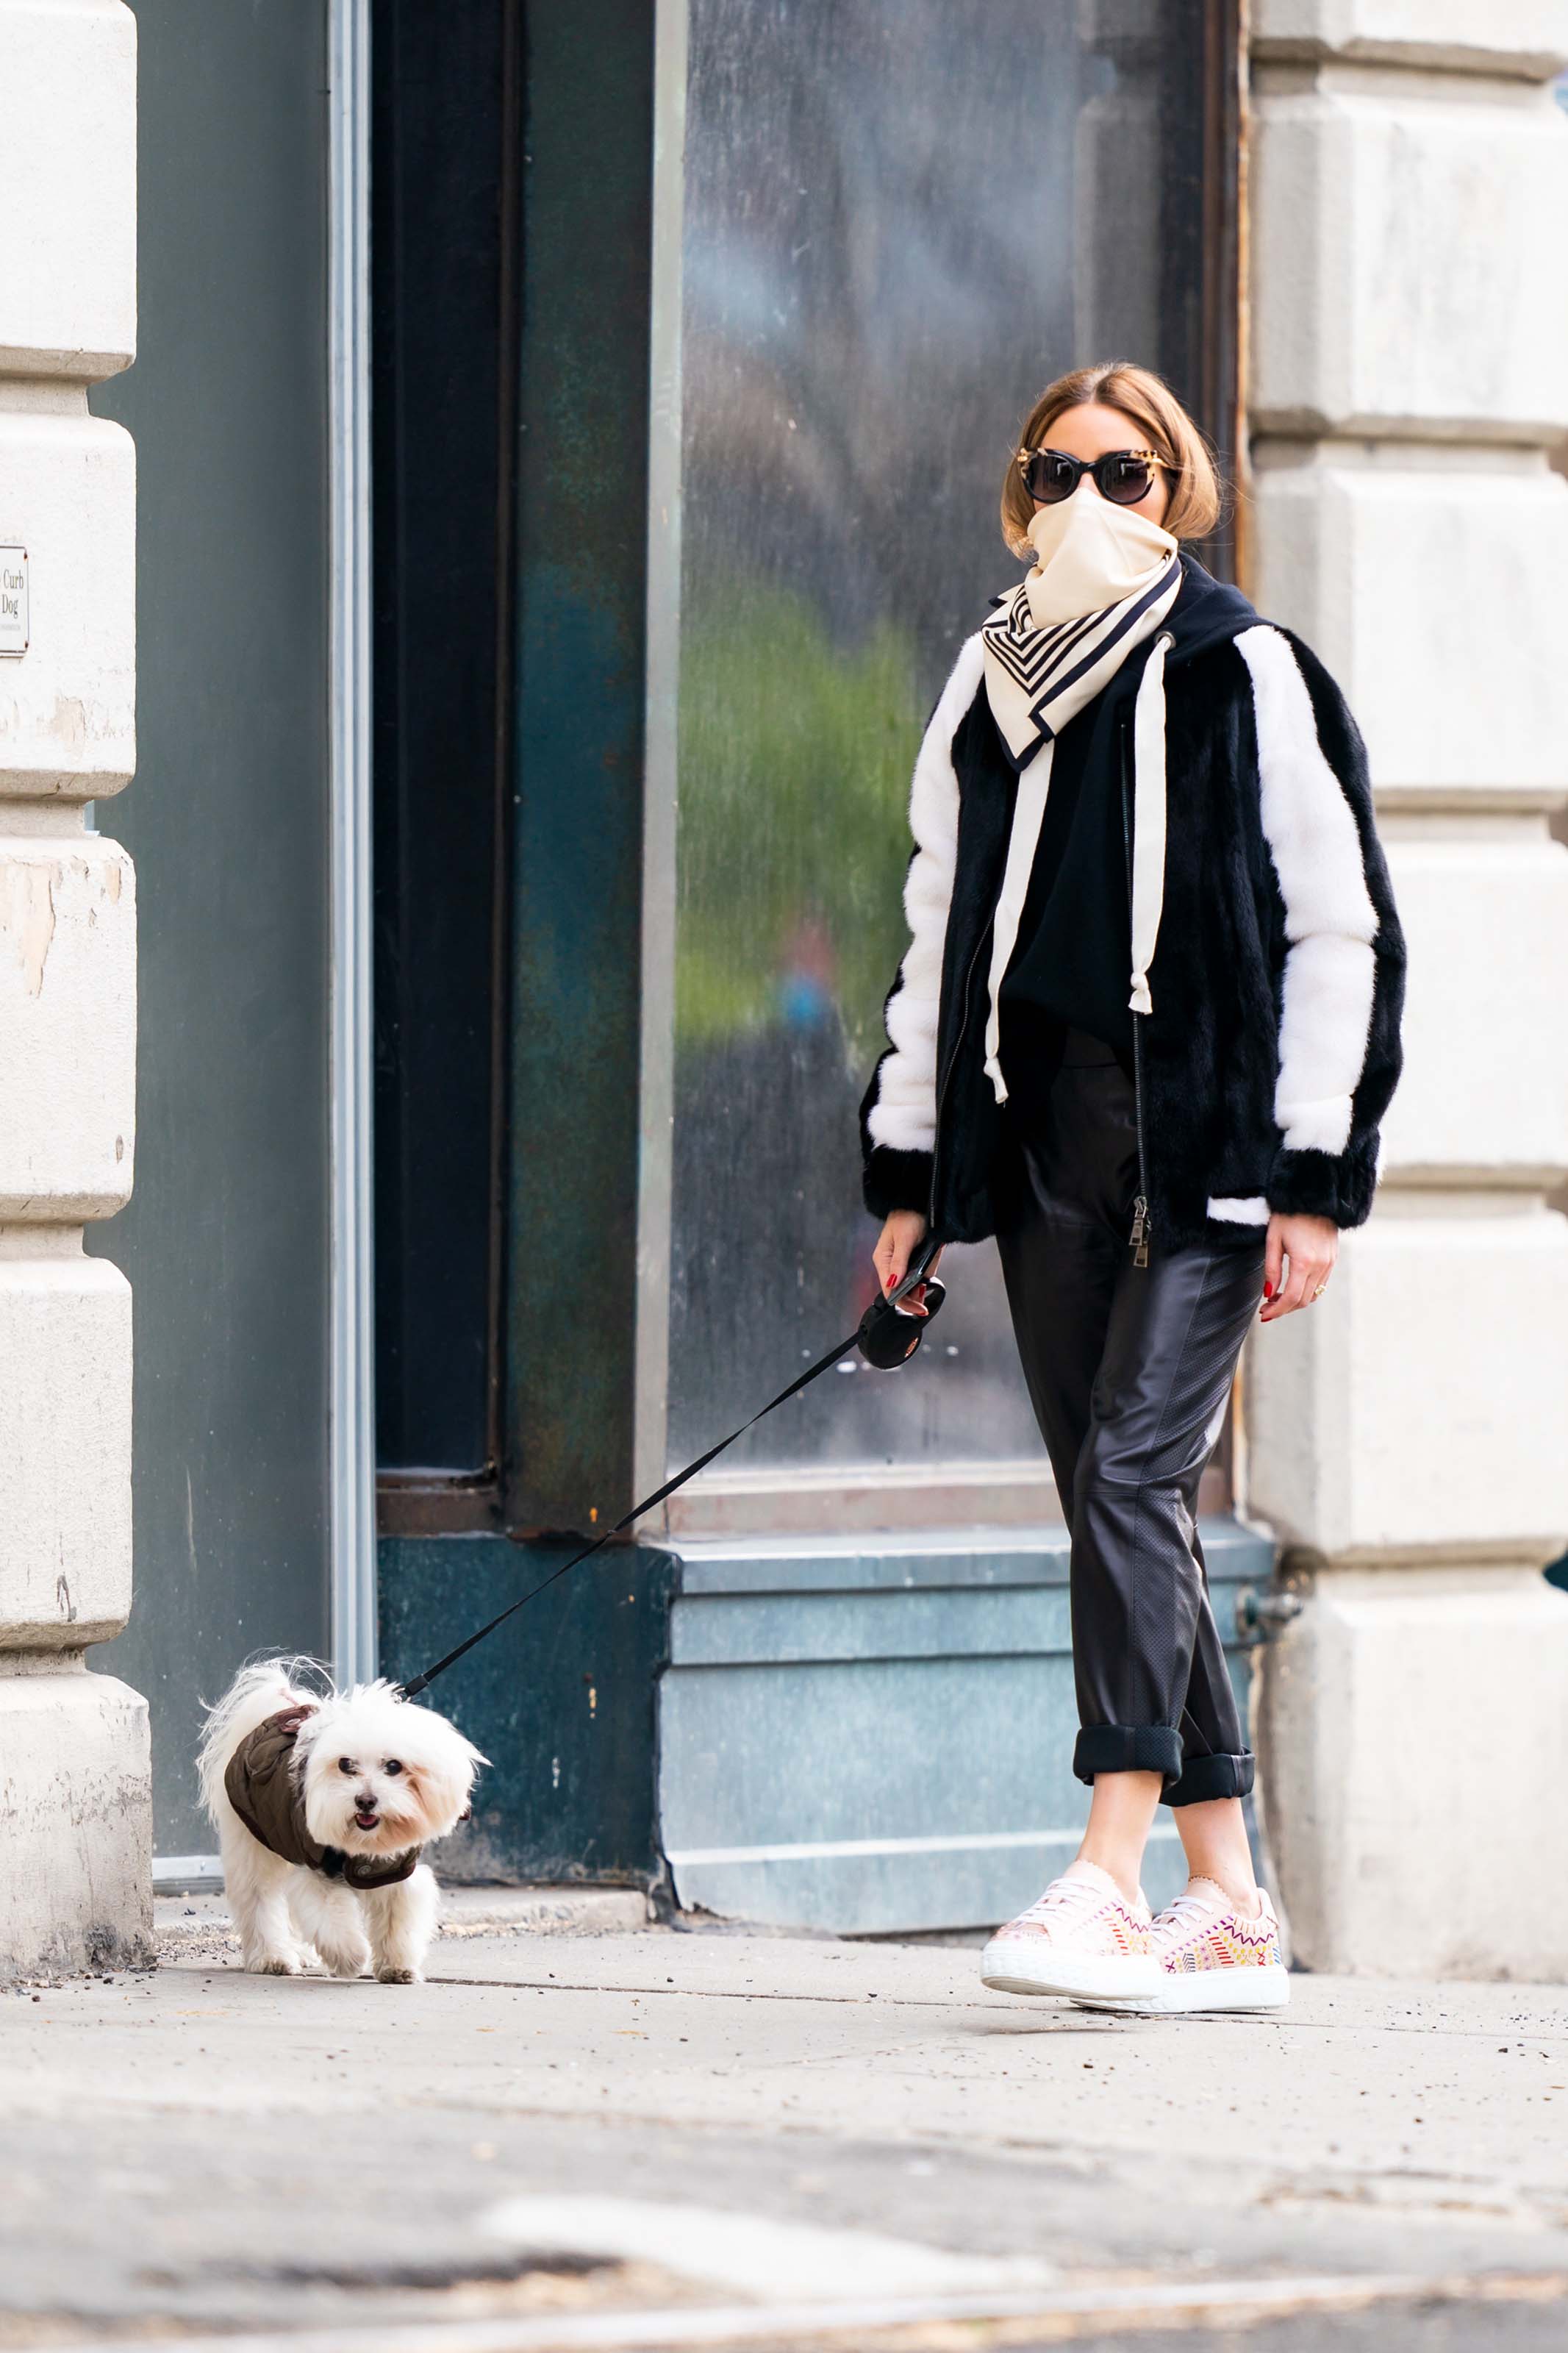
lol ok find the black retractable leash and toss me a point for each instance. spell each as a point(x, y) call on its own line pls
point(882, 1336)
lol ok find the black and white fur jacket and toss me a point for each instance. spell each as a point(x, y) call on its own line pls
point(1276, 983)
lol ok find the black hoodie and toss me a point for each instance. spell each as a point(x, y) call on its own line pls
point(1276, 983)
point(1073, 948)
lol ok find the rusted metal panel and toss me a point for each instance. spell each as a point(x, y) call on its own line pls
point(578, 818)
point(561, 1699)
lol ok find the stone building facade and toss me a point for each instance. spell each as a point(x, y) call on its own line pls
point(1408, 1440)
point(75, 1812)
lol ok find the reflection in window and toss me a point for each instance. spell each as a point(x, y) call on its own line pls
point(902, 219)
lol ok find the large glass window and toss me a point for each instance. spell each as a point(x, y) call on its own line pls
point(902, 219)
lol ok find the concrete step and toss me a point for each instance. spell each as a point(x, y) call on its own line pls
point(199, 1928)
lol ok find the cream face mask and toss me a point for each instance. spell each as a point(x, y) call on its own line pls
point(1090, 554)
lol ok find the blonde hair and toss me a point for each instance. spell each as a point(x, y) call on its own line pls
point(1195, 499)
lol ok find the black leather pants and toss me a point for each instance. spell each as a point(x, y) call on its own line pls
point(1129, 1369)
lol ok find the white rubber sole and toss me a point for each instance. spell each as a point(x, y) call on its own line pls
point(1211, 1990)
point(1105, 1981)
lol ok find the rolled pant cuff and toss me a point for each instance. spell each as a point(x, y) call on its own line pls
point(1202, 1778)
point(1128, 1748)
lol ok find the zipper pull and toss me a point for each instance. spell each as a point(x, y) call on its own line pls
point(1141, 1223)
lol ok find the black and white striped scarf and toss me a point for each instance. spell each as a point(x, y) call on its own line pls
point(1036, 680)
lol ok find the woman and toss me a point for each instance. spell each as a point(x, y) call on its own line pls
point(1144, 1031)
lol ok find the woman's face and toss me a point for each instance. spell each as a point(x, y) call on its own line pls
point(1092, 429)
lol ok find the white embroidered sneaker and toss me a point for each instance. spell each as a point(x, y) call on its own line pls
point(1214, 1958)
point(1081, 1938)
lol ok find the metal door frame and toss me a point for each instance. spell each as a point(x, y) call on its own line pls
point(351, 1377)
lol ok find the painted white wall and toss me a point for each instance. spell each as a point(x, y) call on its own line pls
point(1409, 1436)
point(67, 1027)
point(65, 1447)
point(68, 134)
point(1420, 1406)
point(67, 494)
point(1430, 581)
point(1527, 38)
point(75, 1785)
point(75, 1767)
point(1402, 1711)
point(1485, 1088)
point(1364, 328)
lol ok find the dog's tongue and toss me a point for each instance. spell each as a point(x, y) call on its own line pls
point(366, 1821)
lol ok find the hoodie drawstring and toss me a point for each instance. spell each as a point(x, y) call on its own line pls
point(1148, 852)
point(1028, 816)
point(1148, 818)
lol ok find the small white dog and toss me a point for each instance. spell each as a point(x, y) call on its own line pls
point(322, 1801)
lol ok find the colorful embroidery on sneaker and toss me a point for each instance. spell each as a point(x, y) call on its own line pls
point(1188, 1938)
point(1077, 1913)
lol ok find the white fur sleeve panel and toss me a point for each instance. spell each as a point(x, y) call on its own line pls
point(1329, 920)
point(904, 1114)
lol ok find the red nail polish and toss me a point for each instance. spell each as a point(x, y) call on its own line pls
point(1269, 1291)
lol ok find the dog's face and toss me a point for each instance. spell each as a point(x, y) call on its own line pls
point(379, 1775)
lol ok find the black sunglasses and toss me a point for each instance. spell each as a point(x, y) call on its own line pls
point(1122, 476)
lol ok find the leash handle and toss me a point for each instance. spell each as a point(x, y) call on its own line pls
point(917, 1271)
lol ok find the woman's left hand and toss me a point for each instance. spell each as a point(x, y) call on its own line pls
point(1311, 1246)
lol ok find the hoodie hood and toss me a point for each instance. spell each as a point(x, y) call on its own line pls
point(1205, 612)
point(1202, 615)
point(1208, 612)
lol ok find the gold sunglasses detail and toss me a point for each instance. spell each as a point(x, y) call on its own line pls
point(1046, 451)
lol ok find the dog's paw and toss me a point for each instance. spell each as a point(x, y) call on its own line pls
point(274, 1962)
point(387, 1974)
point(342, 1960)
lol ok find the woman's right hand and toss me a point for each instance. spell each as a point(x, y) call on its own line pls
point(903, 1230)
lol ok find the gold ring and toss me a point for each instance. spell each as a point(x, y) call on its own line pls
point(1320, 1291)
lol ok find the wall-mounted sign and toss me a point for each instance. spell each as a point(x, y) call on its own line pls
point(13, 600)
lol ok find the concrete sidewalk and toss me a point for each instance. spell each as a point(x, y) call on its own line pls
point(853, 2134)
